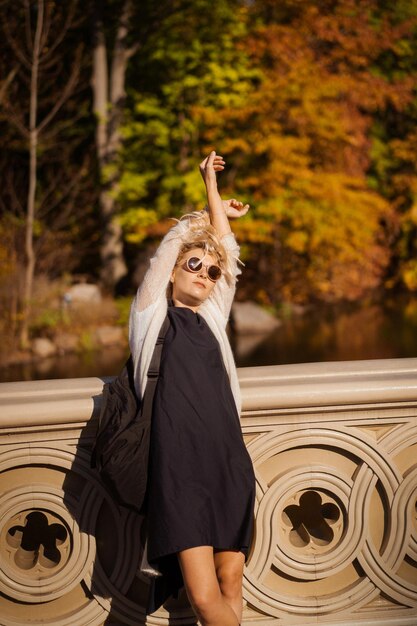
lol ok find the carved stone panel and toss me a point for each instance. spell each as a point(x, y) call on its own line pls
point(335, 525)
point(335, 539)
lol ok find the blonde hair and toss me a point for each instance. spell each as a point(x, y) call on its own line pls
point(201, 234)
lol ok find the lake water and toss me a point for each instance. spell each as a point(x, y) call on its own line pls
point(368, 331)
point(371, 331)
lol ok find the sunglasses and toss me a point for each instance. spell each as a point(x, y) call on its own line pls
point(194, 265)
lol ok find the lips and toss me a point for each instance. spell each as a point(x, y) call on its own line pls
point(197, 282)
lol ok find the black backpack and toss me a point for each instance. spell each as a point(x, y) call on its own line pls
point(121, 448)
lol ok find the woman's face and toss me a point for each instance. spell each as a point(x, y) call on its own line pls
point(190, 289)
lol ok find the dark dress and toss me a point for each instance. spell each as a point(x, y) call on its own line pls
point(201, 484)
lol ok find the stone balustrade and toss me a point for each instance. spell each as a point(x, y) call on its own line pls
point(334, 447)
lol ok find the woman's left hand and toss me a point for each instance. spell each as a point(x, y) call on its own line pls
point(210, 165)
point(234, 208)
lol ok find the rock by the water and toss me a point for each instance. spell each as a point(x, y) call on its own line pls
point(43, 347)
point(66, 342)
point(109, 335)
point(250, 318)
point(244, 345)
point(83, 293)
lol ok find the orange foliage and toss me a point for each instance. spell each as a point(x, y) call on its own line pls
point(306, 147)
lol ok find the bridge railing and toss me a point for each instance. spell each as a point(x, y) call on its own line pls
point(334, 447)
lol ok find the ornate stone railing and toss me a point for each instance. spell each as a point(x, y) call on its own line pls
point(335, 451)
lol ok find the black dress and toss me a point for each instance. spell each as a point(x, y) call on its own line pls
point(201, 484)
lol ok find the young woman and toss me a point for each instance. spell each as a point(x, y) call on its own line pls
point(201, 485)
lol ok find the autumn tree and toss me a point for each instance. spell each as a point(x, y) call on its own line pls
point(291, 94)
point(108, 101)
point(41, 65)
point(115, 44)
point(305, 147)
point(190, 67)
point(394, 144)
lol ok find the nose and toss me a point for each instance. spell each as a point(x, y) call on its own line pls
point(203, 271)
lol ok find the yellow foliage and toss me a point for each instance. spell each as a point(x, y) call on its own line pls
point(409, 275)
point(136, 222)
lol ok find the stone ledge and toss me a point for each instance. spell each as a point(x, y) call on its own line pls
point(335, 384)
point(334, 452)
point(329, 384)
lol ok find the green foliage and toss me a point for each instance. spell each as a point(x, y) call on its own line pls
point(135, 223)
point(192, 65)
point(86, 341)
point(123, 308)
point(46, 320)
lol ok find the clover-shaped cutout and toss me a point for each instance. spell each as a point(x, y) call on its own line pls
point(37, 541)
point(311, 520)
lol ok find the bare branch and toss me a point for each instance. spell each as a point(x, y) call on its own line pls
point(13, 119)
point(54, 63)
point(69, 87)
point(64, 190)
point(12, 192)
point(31, 196)
point(59, 38)
point(49, 135)
point(45, 30)
point(6, 83)
point(44, 207)
point(66, 200)
point(15, 47)
point(100, 81)
point(28, 26)
point(130, 52)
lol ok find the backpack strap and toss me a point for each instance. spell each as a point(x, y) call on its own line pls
point(153, 372)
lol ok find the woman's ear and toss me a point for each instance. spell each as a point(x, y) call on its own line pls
point(172, 277)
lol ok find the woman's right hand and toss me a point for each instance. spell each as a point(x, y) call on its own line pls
point(234, 208)
point(210, 165)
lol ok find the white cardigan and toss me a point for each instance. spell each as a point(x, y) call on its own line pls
point(149, 307)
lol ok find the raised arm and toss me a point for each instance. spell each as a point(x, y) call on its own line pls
point(161, 265)
point(219, 210)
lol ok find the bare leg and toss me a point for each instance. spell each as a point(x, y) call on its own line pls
point(202, 586)
point(229, 571)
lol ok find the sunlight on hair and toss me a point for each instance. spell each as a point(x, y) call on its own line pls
point(201, 234)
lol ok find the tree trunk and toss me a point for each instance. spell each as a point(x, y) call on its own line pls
point(31, 199)
point(108, 109)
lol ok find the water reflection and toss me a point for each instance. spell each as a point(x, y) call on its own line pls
point(375, 331)
point(371, 331)
point(106, 362)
